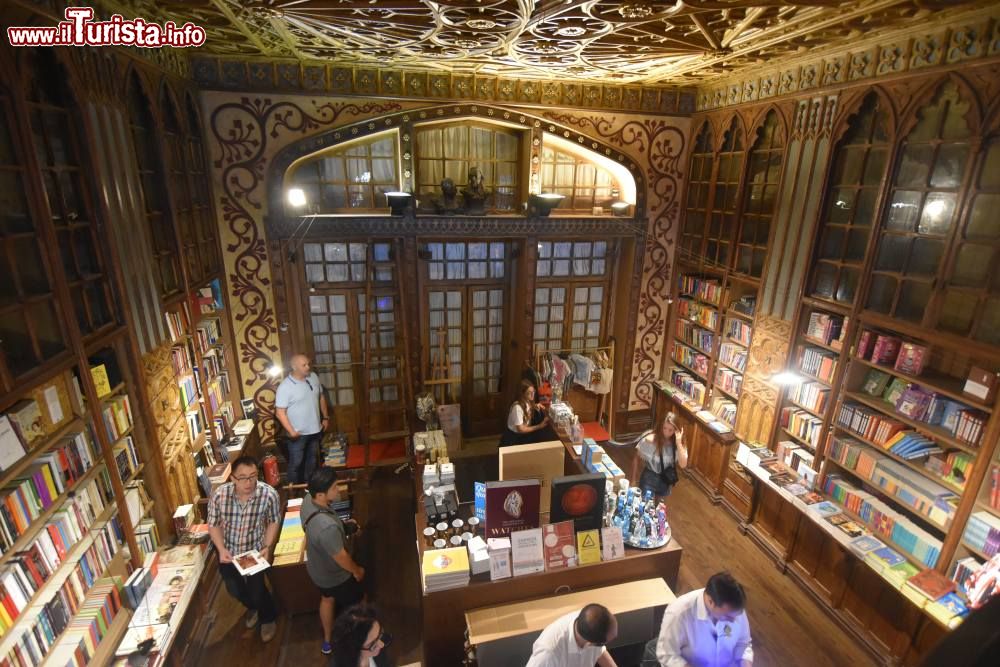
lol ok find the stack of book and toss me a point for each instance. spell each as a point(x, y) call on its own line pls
point(117, 414)
point(733, 356)
point(825, 328)
point(335, 451)
point(698, 313)
point(126, 458)
point(964, 568)
point(291, 539)
point(724, 409)
point(802, 425)
point(729, 380)
point(982, 532)
point(818, 363)
point(810, 395)
point(911, 445)
point(695, 336)
point(885, 521)
point(176, 324)
point(180, 359)
point(739, 331)
point(91, 624)
point(188, 388)
point(688, 384)
point(955, 467)
point(694, 361)
point(207, 333)
point(445, 568)
point(706, 290)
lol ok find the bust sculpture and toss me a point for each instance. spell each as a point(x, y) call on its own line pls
point(450, 201)
point(475, 193)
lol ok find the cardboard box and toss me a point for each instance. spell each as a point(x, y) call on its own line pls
point(543, 461)
point(503, 634)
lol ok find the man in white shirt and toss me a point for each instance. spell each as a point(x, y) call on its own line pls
point(707, 627)
point(576, 640)
point(301, 407)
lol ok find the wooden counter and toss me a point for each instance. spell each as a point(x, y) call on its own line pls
point(443, 611)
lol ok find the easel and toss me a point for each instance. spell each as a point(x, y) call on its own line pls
point(440, 367)
point(605, 403)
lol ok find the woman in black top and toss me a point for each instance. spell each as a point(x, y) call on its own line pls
point(526, 420)
point(358, 638)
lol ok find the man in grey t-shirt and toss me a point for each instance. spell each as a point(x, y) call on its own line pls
point(301, 407)
point(329, 565)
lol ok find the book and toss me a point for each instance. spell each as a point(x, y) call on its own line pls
point(480, 504)
point(527, 553)
point(100, 375)
point(825, 509)
point(875, 382)
point(981, 384)
point(851, 528)
point(888, 556)
point(588, 547)
point(560, 545)
point(578, 498)
point(445, 568)
point(865, 543)
point(612, 544)
point(250, 562)
point(911, 358)
point(26, 418)
point(932, 584)
point(511, 506)
point(11, 449)
point(895, 389)
point(885, 350)
point(499, 550)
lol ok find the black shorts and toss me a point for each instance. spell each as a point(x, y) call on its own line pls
point(345, 595)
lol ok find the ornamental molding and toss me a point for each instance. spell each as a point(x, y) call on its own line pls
point(968, 40)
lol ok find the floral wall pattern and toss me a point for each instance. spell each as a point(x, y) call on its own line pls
point(248, 132)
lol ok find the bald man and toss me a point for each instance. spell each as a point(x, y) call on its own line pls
point(578, 639)
point(301, 407)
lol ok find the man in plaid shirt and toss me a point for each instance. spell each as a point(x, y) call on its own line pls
point(242, 516)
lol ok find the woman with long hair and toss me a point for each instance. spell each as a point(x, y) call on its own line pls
point(358, 637)
point(660, 453)
point(526, 420)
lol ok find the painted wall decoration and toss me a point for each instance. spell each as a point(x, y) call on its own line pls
point(247, 133)
point(660, 145)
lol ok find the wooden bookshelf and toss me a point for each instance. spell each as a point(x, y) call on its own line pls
point(105, 653)
point(71, 427)
point(936, 382)
point(926, 429)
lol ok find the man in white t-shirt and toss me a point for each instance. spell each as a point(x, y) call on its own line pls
point(707, 627)
point(301, 408)
point(576, 640)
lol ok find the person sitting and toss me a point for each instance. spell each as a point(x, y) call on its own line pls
point(578, 639)
point(707, 627)
point(526, 421)
point(358, 638)
point(661, 453)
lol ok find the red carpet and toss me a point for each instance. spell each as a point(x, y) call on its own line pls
point(595, 431)
point(393, 449)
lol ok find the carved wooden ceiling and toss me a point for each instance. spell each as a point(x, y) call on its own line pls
point(683, 42)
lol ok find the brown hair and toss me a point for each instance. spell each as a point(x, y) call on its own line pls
point(658, 438)
point(523, 402)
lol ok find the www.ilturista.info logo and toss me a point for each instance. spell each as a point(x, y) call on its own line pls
point(79, 29)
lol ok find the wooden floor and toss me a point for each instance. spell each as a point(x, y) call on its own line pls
point(788, 627)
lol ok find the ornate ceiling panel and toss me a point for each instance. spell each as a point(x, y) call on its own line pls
point(683, 42)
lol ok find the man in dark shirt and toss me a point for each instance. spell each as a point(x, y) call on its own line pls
point(329, 565)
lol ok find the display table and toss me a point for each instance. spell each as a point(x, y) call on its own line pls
point(443, 621)
point(503, 635)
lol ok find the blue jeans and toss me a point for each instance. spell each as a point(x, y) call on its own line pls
point(302, 453)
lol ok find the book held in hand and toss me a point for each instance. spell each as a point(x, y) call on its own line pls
point(250, 562)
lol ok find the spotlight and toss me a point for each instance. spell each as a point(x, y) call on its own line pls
point(398, 201)
point(543, 204)
point(275, 370)
point(787, 379)
point(297, 197)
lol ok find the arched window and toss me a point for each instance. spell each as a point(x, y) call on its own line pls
point(851, 199)
point(760, 192)
point(154, 194)
point(58, 144)
point(722, 221)
point(450, 151)
point(699, 188)
point(31, 329)
point(971, 300)
point(348, 178)
point(922, 208)
point(201, 200)
point(176, 165)
point(583, 182)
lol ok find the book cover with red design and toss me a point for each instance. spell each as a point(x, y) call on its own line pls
point(932, 584)
point(559, 541)
point(511, 505)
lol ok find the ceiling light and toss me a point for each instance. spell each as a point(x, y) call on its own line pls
point(297, 197)
point(635, 11)
point(398, 201)
point(481, 24)
point(571, 31)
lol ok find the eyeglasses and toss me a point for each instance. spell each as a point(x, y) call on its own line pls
point(250, 478)
point(383, 637)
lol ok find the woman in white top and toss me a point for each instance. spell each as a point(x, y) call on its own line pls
point(526, 421)
point(661, 453)
point(358, 637)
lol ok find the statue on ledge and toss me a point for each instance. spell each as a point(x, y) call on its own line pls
point(475, 193)
point(450, 201)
